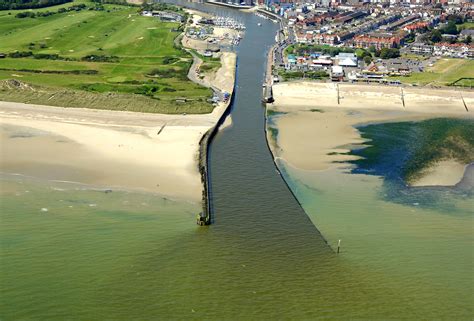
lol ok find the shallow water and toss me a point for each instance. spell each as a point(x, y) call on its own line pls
point(417, 258)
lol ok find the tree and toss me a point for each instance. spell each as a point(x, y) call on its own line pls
point(387, 53)
point(362, 53)
point(455, 19)
point(468, 40)
point(450, 28)
point(29, 4)
point(436, 36)
point(367, 60)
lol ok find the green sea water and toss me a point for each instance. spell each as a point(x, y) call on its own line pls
point(128, 256)
point(415, 243)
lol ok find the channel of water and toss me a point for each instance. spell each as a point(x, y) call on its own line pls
point(248, 195)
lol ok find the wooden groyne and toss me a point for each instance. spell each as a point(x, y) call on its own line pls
point(206, 216)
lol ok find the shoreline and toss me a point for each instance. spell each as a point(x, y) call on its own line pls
point(302, 122)
point(418, 99)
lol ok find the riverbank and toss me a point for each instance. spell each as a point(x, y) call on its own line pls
point(314, 132)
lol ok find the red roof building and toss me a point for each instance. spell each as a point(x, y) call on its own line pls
point(379, 42)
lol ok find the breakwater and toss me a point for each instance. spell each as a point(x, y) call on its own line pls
point(205, 217)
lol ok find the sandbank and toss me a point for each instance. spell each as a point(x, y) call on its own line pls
point(445, 172)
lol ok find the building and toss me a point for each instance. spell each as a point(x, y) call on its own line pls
point(168, 16)
point(346, 59)
point(416, 26)
point(397, 24)
point(459, 50)
point(421, 48)
point(378, 41)
point(337, 73)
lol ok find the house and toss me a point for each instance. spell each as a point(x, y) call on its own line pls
point(459, 50)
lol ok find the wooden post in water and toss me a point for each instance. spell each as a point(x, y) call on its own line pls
point(338, 246)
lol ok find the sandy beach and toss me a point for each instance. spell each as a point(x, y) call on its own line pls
point(106, 149)
point(314, 129)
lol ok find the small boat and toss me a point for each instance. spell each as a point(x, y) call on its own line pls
point(259, 24)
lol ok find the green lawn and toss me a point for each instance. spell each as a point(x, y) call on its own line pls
point(466, 25)
point(443, 73)
point(147, 65)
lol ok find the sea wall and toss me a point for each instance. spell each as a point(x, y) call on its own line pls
point(204, 144)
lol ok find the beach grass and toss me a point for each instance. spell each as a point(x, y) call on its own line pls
point(101, 51)
point(444, 72)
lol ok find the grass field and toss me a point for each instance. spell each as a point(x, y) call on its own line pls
point(145, 61)
point(466, 25)
point(443, 73)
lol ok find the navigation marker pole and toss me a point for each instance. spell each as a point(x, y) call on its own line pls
point(338, 246)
